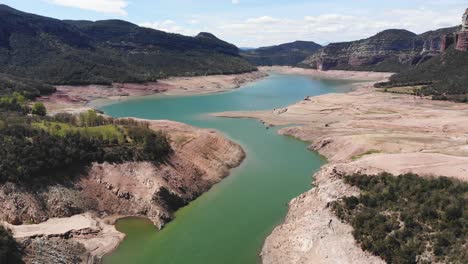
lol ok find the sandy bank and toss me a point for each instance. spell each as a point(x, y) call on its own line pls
point(201, 158)
point(362, 131)
point(333, 74)
point(75, 97)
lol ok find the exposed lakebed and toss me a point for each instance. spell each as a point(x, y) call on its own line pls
point(229, 223)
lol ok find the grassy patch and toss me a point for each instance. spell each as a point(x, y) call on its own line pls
point(408, 219)
point(412, 90)
point(369, 152)
point(106, 132)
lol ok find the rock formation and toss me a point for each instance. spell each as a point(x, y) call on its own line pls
point(461, 38)
point(389, 50)
point(465, 21)
point(447, 40)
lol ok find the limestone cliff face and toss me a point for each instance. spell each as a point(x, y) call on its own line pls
point(389, 50)
point(462, 41)
point(459, 38)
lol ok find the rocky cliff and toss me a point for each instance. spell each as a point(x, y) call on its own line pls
point(391, 50)
point(461, 38)
point(443, 74)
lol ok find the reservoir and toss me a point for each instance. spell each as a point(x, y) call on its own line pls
point(228, 224)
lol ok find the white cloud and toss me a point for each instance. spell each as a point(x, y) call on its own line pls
point(235, 2)
point(168, 26)
point(261, 20)
point(332, 27)
point(103, 6)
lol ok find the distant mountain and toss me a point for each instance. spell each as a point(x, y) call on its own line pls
point(289, 54)
point(391, 50)
point(84, 52)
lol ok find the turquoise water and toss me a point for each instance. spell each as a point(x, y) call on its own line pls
point(229, 223)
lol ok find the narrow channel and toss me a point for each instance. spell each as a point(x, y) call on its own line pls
point(229, 223)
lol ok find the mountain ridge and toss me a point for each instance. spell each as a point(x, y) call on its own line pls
point(77, 52)
point(391, 50)
point(287, 54)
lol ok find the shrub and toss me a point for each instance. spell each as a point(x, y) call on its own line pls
point(39, 109)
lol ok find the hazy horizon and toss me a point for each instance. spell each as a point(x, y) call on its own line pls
point(240, 21)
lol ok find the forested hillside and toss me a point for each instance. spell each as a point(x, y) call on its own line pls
point(34, 148)
point(288, 54)
point(84, 52)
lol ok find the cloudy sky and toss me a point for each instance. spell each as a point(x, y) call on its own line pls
point(254, 23)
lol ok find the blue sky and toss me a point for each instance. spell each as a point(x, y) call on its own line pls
point(253, 23)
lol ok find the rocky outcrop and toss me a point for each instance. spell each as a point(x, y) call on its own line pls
point(201, 158)
point(465, 21)
point(447, 40)
point(460, 38)
point(390, 50)
point(462, 41)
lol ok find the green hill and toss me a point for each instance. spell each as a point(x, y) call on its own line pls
point(288, 54)
point(85, 52)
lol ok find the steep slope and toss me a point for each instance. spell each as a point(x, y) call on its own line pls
point(392, 50)
point(84, 52)
point(433, 39)
point(445, 76)
point(288, 54)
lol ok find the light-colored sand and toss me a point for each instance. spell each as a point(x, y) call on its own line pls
point(364, 131)
point(346, 75)
point(70, 98)
point(305, 236)
point(97, 236)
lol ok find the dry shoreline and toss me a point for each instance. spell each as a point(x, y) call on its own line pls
point(77, 98)
point(358, 132)
point(202, 158)
point(107, 192)
point(363, 131)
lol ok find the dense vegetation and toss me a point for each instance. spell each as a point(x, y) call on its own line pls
point(33, 148)
point(408, 219)
point(9, 250)
point(30, 89)
point(52, 51)
point(288, 54)
point(444, 76)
